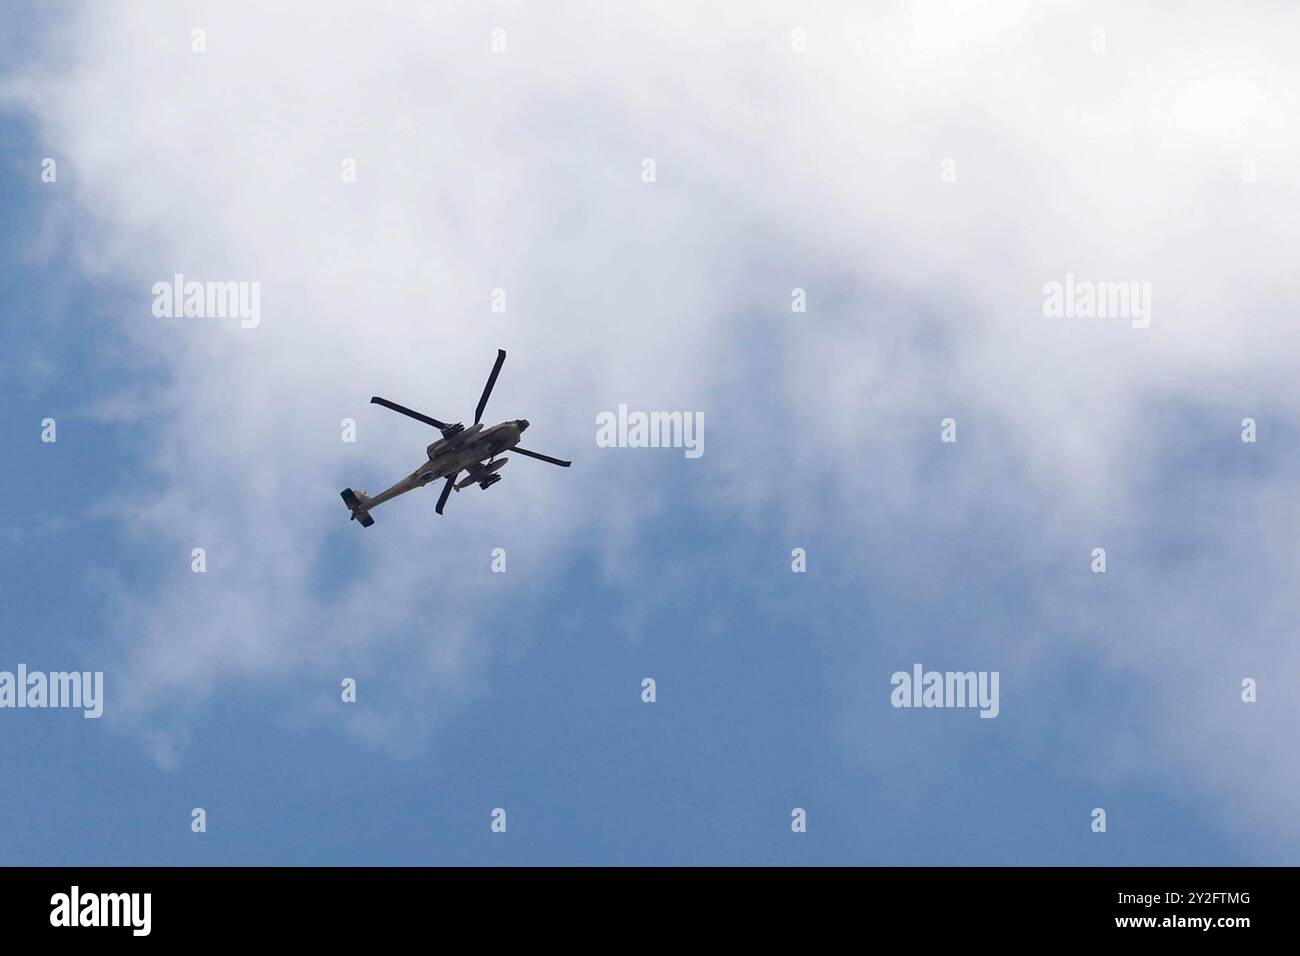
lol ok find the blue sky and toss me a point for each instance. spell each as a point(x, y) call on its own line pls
point(744, 728)
point(522, 690)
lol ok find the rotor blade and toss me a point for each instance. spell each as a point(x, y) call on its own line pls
point(446, 490)
point(532, 454)
point(408, 412)
point(487, 389)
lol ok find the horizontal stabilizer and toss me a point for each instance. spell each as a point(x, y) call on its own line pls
point(355, 505)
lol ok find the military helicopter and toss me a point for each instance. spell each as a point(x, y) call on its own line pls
point(473, 450)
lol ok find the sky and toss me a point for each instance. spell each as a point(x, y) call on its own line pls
point(922, 172)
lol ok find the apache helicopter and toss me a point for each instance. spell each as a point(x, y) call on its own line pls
point(472, 450)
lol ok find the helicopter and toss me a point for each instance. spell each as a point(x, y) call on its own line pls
point(473, 450)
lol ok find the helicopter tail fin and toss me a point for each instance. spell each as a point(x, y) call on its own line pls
point(356, 502)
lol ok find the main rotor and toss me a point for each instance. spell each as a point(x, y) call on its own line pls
point(449, 430)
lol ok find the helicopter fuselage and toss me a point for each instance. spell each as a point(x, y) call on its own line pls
point(464, 451)
point(472, 450)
